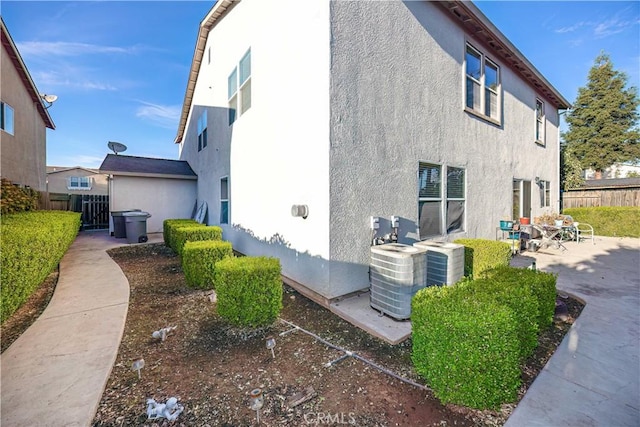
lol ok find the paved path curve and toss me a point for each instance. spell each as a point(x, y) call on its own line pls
point(593, 378)
point(55, 373)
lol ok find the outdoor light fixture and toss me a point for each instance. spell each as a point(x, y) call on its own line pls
point(300, 211)
point(271, 343)
point(48, 99)
point(256, 401)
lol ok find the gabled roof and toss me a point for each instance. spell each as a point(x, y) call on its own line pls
point(146, 166)
point(463, 11)
point(56, 169)
point(21, 68)
point(610, 183)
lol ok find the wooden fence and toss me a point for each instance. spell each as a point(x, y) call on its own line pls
point(587, 198)
point(94, 208)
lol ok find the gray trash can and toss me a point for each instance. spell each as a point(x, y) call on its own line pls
point(136, 226)
point(119, 228)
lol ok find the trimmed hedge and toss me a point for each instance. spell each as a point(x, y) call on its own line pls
point(199, 260)
point(192, 233)
point(249, 290)
point(32, 245)
point(469, 339)
point(540, 283)
point(614, 221)
point(15, 199)
point(481, 255)
point(170, 225)
point(466, 349)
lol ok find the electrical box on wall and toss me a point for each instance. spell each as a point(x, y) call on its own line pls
point(375, 222)
point(395, 221)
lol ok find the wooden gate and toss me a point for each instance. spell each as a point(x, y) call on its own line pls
point(94, 209)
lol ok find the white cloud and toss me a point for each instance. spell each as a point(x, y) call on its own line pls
point(571, 28)
point(82, 160)
point(48, 49)
point(165, 116)
point(70, 79)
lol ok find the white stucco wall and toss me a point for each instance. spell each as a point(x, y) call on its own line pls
point(277, 153)
point(163, 198)
point(397, 98)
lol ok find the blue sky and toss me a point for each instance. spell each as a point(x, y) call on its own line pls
point(120, 68)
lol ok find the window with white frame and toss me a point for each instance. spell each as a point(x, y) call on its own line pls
point(441, 202)
point(540, 122)
point(6, 118)
point(224, 200)
point(545, 194)
point(239, 88)
point(482, 84)
point(202, 130)
point(79, 183)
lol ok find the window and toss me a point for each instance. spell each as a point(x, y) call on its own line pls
point(540, 122)
point(482, 84)
point(545, 194)
point(432, 192)
point(6, 118)
point(202, 130)
point(224, 200)
point(79, 183)
point(239, 88)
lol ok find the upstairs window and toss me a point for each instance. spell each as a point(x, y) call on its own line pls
point(6, 118)
point(482, 85)
point(202, 130)
point(540, 122)
point(239, 88)
point(79, 183)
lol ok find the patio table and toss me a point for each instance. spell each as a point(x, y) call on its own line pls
point(548, 236)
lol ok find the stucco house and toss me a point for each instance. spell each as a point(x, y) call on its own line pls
point(164, 188)
point(24, 120)
point(76, 180)
point(306, 120)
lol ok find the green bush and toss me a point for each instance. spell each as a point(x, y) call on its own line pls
point(467, 349)
point(170, 225)
point(32, 245)
point(249, 290)
point(541, 284)
point(194, 233)
point(15, 199)
point(481, 255)
point(199, 260)
point(614, 221)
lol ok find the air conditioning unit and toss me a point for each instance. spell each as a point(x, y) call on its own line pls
point(397, 272)
point(445, 260)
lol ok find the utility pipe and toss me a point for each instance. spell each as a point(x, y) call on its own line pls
point(354, 355)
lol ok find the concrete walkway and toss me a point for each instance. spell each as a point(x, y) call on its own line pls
point(593, 378)
point(55, 373)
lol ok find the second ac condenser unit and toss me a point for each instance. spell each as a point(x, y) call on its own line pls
point(445, 261)
point(397, 272)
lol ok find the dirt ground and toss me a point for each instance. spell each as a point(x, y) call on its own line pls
point(211, 367)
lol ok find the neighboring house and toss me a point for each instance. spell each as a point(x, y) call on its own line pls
point(76, 180)
point(23, 121)
point(617, 170)
point(164, 188)
point(305, 120)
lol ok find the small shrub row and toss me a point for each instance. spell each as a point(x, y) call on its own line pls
point(169, 227)
point(32, 245)
point(481, 255)
point(196, 233)
point(199, 259)
point(614, 221)
point(15, 199)
point(470, 339)
point(249, 290)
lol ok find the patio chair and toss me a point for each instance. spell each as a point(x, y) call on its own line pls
point(584, 231)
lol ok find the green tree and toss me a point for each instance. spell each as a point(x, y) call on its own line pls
point(570, 169)
point(602, 125)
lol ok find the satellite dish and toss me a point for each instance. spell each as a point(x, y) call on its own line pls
point(50, 98)
point(116, 147)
